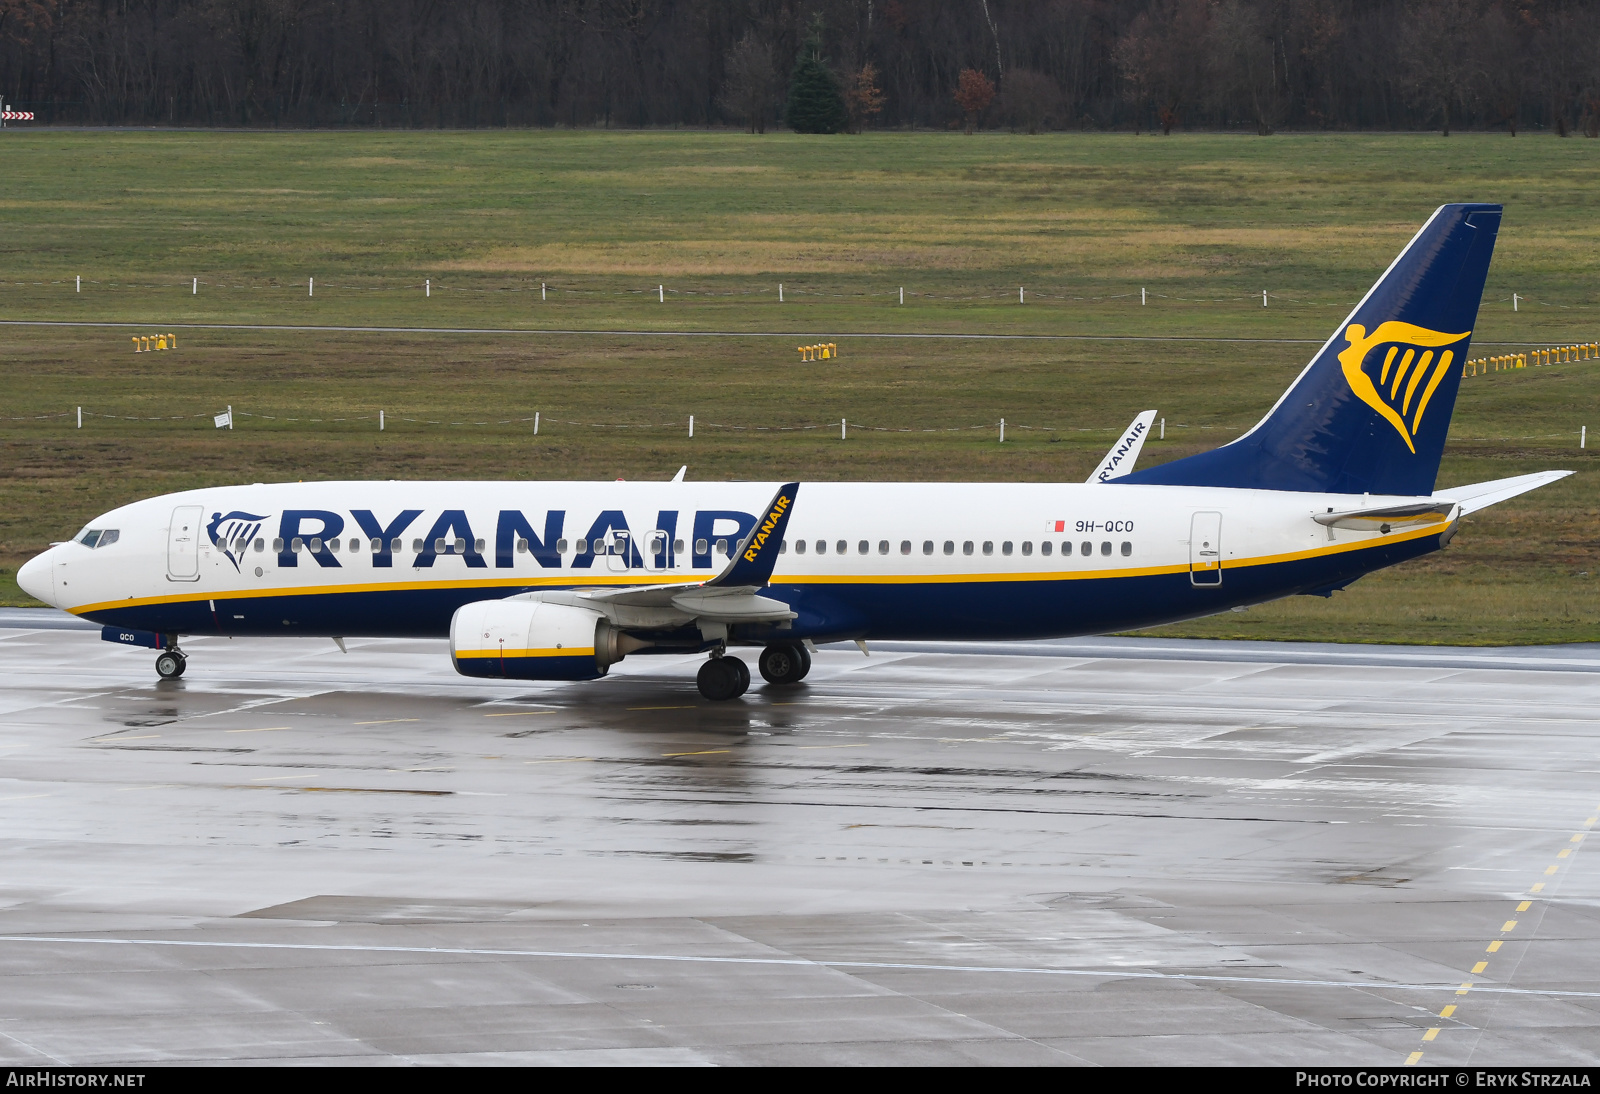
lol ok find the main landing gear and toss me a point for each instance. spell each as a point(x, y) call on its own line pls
point(170, 663)
point(785, 663)
point(724, 677)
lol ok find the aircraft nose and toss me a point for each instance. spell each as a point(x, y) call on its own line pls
point(37, 577)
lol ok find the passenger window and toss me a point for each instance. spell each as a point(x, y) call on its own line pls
point(701, 547)
point(296, 544)
point(1044, 548)
point(905, 546)
point(1066, 549)
point(966, 548)
point(1005, 548)
point(1027, 547)
point(478, 546)
point(108, 537)
point(377, 546)
point(1127, 548)
point(261, 545)
point(822, 546)
point(1086, 548)
point(883, 546)
point(416, 546)
point(783, 546)
point(1105, 547)
point(988, 546)
point(841, 548)
point(927, 546)
point(333, 545)
point(522, 546)
point(863, 547)
point(277, 545)
point(438, 546)
point(799, 546)
point(949, 546)
point(722, 546)
point(677, 546)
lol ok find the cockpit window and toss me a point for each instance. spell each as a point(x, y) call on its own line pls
point(95, 537)
point(108, 537)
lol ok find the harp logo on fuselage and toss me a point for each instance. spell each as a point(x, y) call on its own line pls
point(1398, 382)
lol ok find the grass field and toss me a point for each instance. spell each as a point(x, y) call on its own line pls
point(1204, 223)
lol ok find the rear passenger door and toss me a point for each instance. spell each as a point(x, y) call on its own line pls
point(1205, 549)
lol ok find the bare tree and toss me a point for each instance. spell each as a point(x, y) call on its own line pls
point(1244, 50)
point(1438, 64)
point(1161, 58)
point(1029, 99)
point(751, 81)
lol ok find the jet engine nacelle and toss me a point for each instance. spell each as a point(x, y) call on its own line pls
point(530, 640)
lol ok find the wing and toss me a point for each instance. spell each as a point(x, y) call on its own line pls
point(730, 597)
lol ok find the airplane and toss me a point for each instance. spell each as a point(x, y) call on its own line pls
point(560, 580)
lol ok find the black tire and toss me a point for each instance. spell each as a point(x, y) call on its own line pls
point(718, 680)
point(183, 663)
point(785, 663)
point(169, 665)
point(743, 672)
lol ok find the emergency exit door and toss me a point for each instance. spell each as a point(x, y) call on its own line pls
point(1205, 549)
point(183, 544)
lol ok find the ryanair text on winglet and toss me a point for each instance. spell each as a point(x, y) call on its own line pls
point(767, 525)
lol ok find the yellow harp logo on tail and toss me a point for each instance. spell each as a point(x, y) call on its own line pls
point(1407, 374)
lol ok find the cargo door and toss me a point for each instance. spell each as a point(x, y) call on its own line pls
point(183, 544)
point(1205, 549)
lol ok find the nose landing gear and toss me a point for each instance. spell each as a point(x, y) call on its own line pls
point(170, 663)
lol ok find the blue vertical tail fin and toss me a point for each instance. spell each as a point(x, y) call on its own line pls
point(1371, 411)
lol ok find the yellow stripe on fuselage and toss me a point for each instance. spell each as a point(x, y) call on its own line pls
point(575, 651)
point(572, 580)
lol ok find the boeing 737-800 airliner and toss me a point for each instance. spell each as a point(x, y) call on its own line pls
point(560, 580)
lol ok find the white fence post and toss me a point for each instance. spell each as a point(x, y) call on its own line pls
point(902, 294)
point(691, 425)
point(427, 286)
point(194, 288)
point(1263, 298)
point(1513, 301)
point(842, 434)
point(541, 292)
point(1583, 433)
point(780, 292)
point(535, 423)
point(380, 421)
point(1002, 431)
point(80, 420)
point(80, 283)
point(1163, 430)
point(1020, 298)
point(311, 286)
point(662, 291)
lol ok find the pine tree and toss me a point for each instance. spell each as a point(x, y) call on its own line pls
point(815, 104)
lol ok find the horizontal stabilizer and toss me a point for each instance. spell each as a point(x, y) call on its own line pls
point(1481, 495)
point(1125, 453)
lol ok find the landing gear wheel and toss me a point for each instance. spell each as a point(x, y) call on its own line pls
point(170, 664)
point(744, 674)
point(723, 678)
point(785, 663)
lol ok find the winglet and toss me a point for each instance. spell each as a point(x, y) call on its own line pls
point(679, 476)
point(1125, 453)
point(752, 563)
